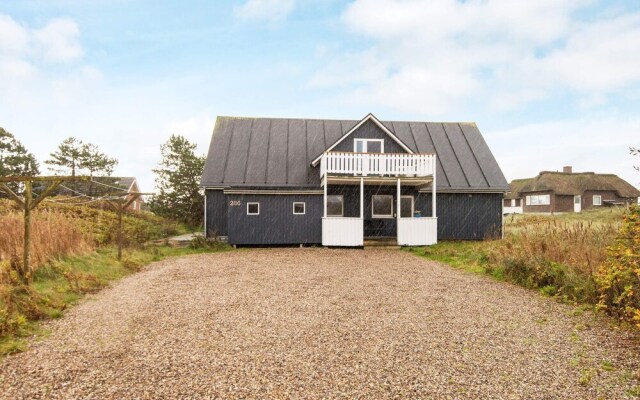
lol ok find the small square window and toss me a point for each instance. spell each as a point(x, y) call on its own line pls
point(299, 208)
point(253, 208)
point(597, 200)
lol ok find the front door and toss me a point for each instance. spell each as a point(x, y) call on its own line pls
point(577, 203)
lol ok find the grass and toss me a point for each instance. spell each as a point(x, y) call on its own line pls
point(61, 283)
point(555, 254)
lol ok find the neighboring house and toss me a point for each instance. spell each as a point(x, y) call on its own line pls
point(131, 184)
point(100, 186)
point(566, 191)
point(287, 181)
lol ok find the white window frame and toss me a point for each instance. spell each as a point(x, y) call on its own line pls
point(413, 205)
point(381, 215)
point(599, 197)
point(256, 203)
point(538, 200)
point(304, 208)
point(365, 144)
point(341, 206)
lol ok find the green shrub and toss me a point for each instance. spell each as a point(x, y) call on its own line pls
point(619, 277)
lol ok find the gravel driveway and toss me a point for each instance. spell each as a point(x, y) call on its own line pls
point(320, 323)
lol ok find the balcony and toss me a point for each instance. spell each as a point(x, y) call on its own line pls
point(377, 164)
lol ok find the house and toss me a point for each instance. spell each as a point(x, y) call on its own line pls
point(568, 191)
point(100, 186)
point(272, 181)
point(131, 185)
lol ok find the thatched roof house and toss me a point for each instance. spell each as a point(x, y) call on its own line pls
point(568, 191)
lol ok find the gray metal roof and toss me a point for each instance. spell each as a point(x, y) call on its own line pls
point(277, 152)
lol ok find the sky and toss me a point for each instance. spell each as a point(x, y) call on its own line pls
point(549, 83)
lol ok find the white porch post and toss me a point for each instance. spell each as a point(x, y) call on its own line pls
point(433, 193)
point(325, 197)
point(361, 198)
point(398, 203)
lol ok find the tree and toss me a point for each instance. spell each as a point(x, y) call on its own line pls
point(75, 157)
point(67, 157)
point(95, 162)
point(15, 159)
point(177, 182)
point(635, 151)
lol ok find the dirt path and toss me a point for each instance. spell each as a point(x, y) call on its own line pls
point(319, 323)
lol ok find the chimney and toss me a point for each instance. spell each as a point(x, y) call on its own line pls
point(567, 169)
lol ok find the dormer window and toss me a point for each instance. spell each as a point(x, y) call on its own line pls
point(368, 145)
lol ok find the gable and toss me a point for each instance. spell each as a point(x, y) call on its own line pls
point(367, 122)
point(369, 130)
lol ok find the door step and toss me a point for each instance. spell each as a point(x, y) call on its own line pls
point(382, 242)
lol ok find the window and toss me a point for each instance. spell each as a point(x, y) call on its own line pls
point(382, 206)
point(597, 200)
point(406, 206)
point(538, 200)
point(299, 208)
point(334, 206)
point(253, 208)
point(368, 146)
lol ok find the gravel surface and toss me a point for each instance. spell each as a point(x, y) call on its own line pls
point(320, 323)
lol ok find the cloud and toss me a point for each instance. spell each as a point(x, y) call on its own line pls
point(14, 38)
point(58, 40)
point(433, 57)
point(31, 78)
point(599, 144)
point(265, 10)
point(195, 129)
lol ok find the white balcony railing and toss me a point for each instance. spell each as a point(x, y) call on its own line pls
point(381, 164)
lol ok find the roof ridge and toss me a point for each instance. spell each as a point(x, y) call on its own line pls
point(349, 119)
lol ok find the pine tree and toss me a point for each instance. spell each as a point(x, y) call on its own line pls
point(15, 159)
point(177, 181)
point(74, 157)
point(94, 162)
point(67, 158)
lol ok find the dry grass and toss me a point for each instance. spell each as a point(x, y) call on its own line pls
point(558, 254)
point(53, 235)
point(560, 257)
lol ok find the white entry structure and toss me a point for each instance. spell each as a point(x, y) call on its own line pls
point(417, 171)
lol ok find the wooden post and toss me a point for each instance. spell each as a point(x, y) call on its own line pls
point(28, 204)
point(25, 271)
point(119, 206)
point(119, 233)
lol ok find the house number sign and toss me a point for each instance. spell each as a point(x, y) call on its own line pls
point(235, 203)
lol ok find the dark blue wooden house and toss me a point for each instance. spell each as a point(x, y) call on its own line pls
point(274, 181)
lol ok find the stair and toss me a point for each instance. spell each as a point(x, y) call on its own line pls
point(382, 242)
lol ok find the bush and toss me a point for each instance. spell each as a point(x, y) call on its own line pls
point(619, 276)
point(561, 257)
